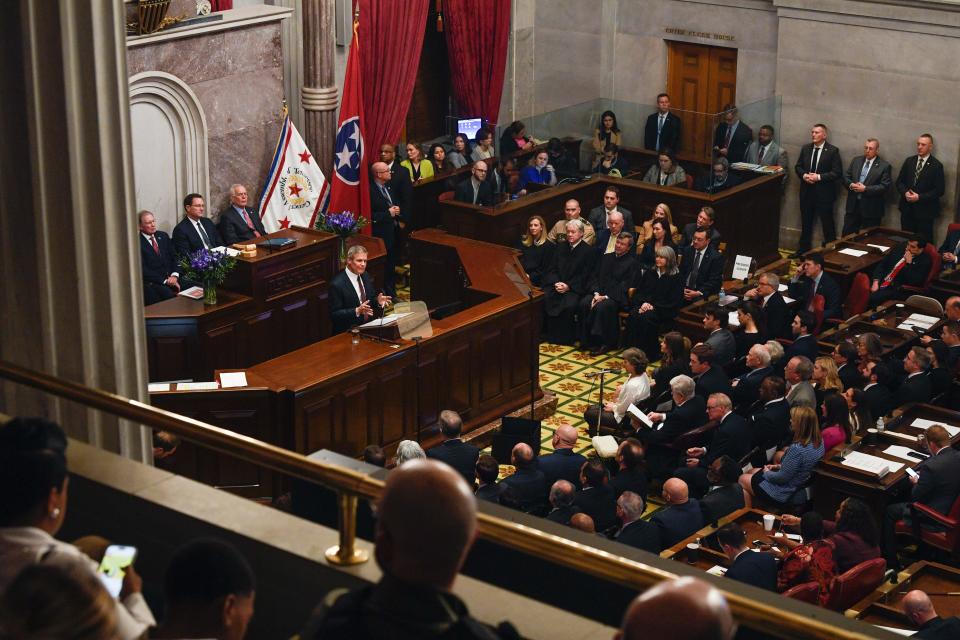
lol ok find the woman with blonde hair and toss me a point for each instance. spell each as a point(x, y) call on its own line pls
point(536, 251)
point(416, 166)
point(777, 484)
point(660, 212)
point(826, 379)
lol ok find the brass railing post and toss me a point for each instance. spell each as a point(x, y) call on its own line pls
point(346, 552)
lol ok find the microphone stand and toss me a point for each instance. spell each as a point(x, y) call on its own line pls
point(603, 372)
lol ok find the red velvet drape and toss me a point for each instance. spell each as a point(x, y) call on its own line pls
point(220, 5)
point(477, 35)
point(391, 38)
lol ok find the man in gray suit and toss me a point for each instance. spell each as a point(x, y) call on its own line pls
point(611, 202)
point(867, 180)
point(798, 373)
point(765, 151)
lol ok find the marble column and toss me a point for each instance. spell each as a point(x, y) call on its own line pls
point(319, 95)
point(71, 302)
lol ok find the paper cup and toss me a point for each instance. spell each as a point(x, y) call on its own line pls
point(872, 435)
point(693, 553)
point(768, 520)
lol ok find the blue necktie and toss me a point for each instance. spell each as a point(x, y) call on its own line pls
point(866, 169)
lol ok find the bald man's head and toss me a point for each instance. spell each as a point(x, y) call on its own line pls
point(426, 523)
point(522, 455)
point(917, 606)
point(582, 522)
point(675, 491)
point(702, 608)
point(565, 437)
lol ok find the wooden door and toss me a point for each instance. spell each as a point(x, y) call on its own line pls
point(700, 81)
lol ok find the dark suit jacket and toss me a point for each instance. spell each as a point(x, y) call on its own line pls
point(664, 292)
point(830, 169)
point(384, 225)
point(529, 485)
point(640, 535)
point(157, 268)
point(939, 629)
point(742, 136)
point(770, 424)
point(710, 275)
point(489, 492)
point(614, 276)
point(724, 345)
point(689, 229)
point(930, 187)
point(706, 183)
point(562, 464)
point(186, 240)
point(669, 134)
point(630, 480)
point(714, 380)
point(949, 245)
point(460, 455)
point(754, 568)
point(721, 502)
point(344, 301)
point(600, 504)
point(913, 274)
point(598, 220)
point(915, 389)
point(805, 346)
point(778, 316)
point(464, 193)
point(747, 390)
point(234, 229)
point(678, 521)
point(731, 438)
point(690, 415)
point(878, 180)
point(804, 291)
point(573, 266)
point(562, 515)
point(850, 376)
point(879, 400)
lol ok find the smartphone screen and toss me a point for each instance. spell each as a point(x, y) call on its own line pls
point(911, 473)
point(116, 558)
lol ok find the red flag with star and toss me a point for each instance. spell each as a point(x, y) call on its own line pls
point(349, 189)
point(295, 190)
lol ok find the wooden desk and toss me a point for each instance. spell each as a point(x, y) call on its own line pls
point(945, 285)
point(884, 606)
point(884, 321)
point(269, 305)
point(844, 268)
point(748, 215)
point(751, 520)
point(833, 481)
point(342, 396)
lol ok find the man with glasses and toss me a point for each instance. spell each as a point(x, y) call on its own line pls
point(476, 190)
point(719, 179)
point(767, 295)
point(239, 222)
point(195, 231)
point(387, 215)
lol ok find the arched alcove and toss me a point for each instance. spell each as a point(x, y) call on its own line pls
point(169, 133)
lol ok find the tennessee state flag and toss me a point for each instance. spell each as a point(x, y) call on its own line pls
point(349, 190)
point(295, 189)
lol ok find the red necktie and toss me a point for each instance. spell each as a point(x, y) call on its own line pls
point(249, 223)
point(156, 247)
point(893, 274)
point(363, 294)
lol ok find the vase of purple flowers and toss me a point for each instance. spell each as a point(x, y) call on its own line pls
point(210, 268)
point(343, 225)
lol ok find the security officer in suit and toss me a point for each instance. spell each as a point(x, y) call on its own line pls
point(161, 279)
point(732, 136)
point(921, 185)
point(387, 214)
point(662, 129)
point(240, 223)
point(867, 180)
point(819, 168)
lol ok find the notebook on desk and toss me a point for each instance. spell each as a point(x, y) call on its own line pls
point(277, 243)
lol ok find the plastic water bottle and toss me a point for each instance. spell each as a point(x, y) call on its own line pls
point(880, 424)
point(723, 295)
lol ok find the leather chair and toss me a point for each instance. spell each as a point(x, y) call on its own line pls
point(446, 195)
point(947, 540)
point(931, 250)
point(926, 304)
point(855, 584)
point(856, 301)
point(694, 438)
point(807, 592)
point(819, 302)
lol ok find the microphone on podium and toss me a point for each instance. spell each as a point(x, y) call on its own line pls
point(597, 374)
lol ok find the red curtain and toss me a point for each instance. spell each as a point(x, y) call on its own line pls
point(391, 38)
point(220, 5)
point(477, 35)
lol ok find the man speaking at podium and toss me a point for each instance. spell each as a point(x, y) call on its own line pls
point(350, 292)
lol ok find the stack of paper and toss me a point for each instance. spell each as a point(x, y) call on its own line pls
point(921, 423)
point(918, 320)
point(782, 287)
point(871, 464)
point(733, 319)
point(879, 246)
point(856, 253)
point(903, 453)
point(233, 379)
point(727, 299)
point(716, 570)
point(639, 415)
point(197, 386)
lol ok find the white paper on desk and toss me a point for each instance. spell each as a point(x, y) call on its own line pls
point(788, 300)
point(639, 415)
point(897, 451)
point(871, 464)
point(233, 379)
point(153, 387)
point(856, 253)
point(921, 319)
point(782, 287)
point(733, 319)
point(879, 246)
point(197, 386)
point(717, 570)
point(922, 423)
point(741, 267)
point(193, 292)
point(900, 632)
point(233, 253)
point(726, 299)
point(745, 166)
point(386, 321)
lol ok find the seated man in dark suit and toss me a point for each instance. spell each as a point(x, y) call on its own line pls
point(950, 250)
point(161, 275)
point(596, 498)
point(240, 223)
point(565, 284)
point(845, 356)
point(350, 294)
point(689, 412)
point(715, 321)
point(731, 438)
point(599, 216)
point(878, 380)
point(195, 231)
point(936, 485)
point(804, 343)
point(612, 163)
point(561, 498)
point(527, 481)
point(767, 295)
point(756, 569)
point(705, 219)
point(681, 517)
point(719, 179)
point(916, 386)
point(563, 463)
point(701, 270)
point(769, 419)
point(919, 609)
point(460, 455)
point(707, 374)
point(631, 474)
point(746, 388)
point(810, 280)
point(633, 531)
point(904, 265)
point(726, 494)
point(487, 470)
point(476, 189)
point(607, 295)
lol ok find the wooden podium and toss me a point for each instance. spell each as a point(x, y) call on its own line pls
point(270, 304)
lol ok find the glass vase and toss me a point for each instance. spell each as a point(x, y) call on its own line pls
point(343, 252)
point(209, 292)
